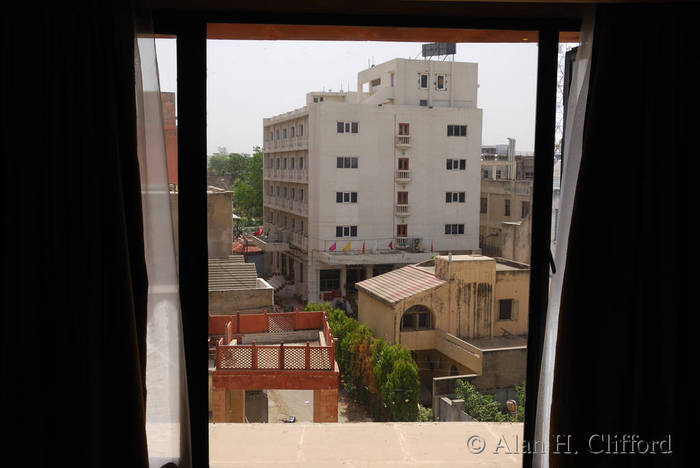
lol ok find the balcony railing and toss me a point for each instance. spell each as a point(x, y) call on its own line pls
point(401, 210)
point(403, 140)
point(287, 175)
point(300, 240)
point(275, 357)
point(403, 176)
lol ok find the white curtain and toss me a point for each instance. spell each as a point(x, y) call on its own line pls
point(167, 420)
point(573, 139)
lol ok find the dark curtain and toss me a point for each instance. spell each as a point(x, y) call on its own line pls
point(622, 364)
point(74, 293)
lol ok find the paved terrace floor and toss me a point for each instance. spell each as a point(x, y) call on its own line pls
point(360, 445)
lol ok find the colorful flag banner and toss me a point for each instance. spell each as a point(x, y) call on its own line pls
point(431, 246)
point(363, 246)
point(332, 249)
point(347, 247)
point(391, 244)
point(259, 231)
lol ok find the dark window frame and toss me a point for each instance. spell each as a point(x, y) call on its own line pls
point(190, 31)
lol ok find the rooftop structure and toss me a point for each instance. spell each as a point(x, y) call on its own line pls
point(240, 363)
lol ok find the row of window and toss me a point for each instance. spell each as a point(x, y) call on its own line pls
point(401, 230)
point(524, 207)
point(346, 197)
point(287, 132)
point(285, 193)
point(457, 130)
point(440, 82)
point(346, 163)
point(454, 229)
point(284, 163)
point(348, 127)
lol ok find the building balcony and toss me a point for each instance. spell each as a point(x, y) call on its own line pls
point(286, 144)
point(287, 175)
point(402, 176)
point(410, 244)
point(403, 141)
point(300, 240)
point(401, 210)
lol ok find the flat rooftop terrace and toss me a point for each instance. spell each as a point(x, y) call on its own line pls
point(437, 445)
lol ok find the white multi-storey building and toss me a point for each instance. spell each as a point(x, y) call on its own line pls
point(357, 183)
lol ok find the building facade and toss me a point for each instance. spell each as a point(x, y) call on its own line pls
point(356, 183)
point(506, 200)
point(458, 314)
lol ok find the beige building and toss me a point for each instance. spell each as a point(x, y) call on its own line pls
point(357, 183)
point(459, 314)
point(506, 198)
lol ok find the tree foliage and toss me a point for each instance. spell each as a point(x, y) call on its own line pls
point(374, 371)
point(484, 407)
point(245, 172)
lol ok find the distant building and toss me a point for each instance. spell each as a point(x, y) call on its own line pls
point(505, 228)
point(357, 183)
point(459, 315)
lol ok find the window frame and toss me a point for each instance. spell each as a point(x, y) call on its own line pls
point(190, 32)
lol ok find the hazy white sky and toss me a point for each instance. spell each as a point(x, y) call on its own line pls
point(250, 80)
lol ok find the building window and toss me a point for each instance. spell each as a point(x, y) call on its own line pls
point(403, 164)
point(454, 229)
point(506, 309)
point(423, 81)
point(315, 99)
point(402, 230)
point(301, 194)
point(301, 130)
point(455, 197)
point(346, 197)
point(404, 129)
point(402, 198)
point(506, 207)
point(291, 130)
point(456, 164)
point(329, 280)
point(485, 173)
point(346, 231)
point(524, 209)
point(457, 130)
point(441, 82)
point(301, 163)
point(346, 163)
point(423, 102)
point(277, 134)
point(291, 163)
point(416, 318)
point(348, 127)
point(375, 82)
point(484, 205)
point(284, 133)
point(284, 163)
point(498, 173)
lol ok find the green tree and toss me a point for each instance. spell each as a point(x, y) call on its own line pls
point(233, 165)
point(479, 406)
point(248, 190)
